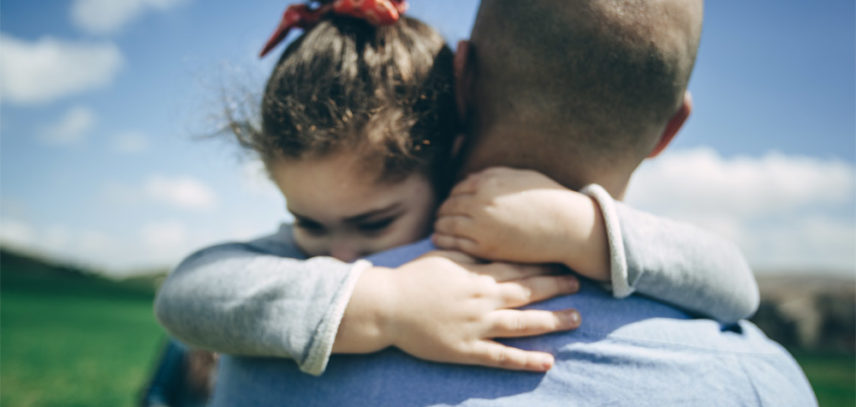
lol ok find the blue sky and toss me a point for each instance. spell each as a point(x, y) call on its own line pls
point(101, 100)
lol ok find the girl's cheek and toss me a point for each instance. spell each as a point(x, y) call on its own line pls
point(424, 223)
point(414, 230)
point(309, 245)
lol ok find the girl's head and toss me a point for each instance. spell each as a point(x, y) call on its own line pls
point(357, 126)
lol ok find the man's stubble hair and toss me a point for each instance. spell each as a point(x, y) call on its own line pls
point(577, 89)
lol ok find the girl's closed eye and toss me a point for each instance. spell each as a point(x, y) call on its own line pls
point(376, 227)
point(310, 226)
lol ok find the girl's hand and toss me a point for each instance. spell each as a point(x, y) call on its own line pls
point(522, 216)
point(446, 307)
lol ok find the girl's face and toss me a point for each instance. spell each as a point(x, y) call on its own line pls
point(341, 210)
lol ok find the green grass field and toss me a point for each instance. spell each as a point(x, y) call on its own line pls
point(71, 340)
point(833, 377)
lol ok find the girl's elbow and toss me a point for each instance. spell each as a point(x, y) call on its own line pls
point(160, 308)
point(745, 303)
point(751, 301)
point(163, 309)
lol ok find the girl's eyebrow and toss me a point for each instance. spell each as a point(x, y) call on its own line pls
point(373, 213)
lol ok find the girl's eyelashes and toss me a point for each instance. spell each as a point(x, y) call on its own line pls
point(309, 226)
point(369, 228)
point(375, 226)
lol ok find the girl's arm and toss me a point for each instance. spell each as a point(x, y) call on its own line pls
point(259, 299)
point(521, 215)
point(256, 299)
point(676, 262)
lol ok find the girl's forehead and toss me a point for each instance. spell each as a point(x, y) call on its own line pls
point(334, 188)
point(340, 170)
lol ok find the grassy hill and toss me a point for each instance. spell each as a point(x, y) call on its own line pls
point(24, 272)
point(72, 338)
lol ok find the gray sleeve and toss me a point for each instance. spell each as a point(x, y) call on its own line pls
point(676, 262)
point(259, 299)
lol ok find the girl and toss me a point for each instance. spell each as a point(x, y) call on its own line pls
point(358, 129)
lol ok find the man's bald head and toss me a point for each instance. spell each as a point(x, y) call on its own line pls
point(578, 88)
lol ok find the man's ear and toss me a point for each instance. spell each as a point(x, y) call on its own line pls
point(674, 125)
point(463, 66)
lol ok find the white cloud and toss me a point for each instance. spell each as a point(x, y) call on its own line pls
point(807, 243)
point(701, 180)
point(83, 247)
point(785, 212)
point(182, 191)
point(93, 244)
point(71, 128)
point(152, 245)
point(130, 142)
point(109, 16)
point(49, 69)
point(58, 237)
point(165, 238)
point(16, 233)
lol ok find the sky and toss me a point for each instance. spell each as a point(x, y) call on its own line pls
point(105, 106)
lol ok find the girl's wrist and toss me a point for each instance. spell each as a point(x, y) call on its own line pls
point(560, 240)
point(365, 326)
point(587, 247)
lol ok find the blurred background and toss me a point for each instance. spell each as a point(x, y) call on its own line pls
point(107, 180)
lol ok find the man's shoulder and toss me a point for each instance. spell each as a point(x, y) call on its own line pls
point(402, 254)
point(632, 351)
point(628, 366)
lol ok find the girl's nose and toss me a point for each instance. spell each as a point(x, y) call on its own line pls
point(345, 251)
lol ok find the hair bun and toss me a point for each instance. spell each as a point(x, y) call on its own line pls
point(375, 12)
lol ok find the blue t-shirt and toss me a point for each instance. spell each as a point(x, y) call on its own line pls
point(633, 352)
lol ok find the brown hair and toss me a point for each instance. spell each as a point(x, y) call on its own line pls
point(384, 92)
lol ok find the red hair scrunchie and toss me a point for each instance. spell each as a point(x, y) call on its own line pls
point(375, 12)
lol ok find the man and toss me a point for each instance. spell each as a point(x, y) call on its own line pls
point(581, 91)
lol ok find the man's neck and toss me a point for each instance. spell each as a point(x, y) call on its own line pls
point(547, 158)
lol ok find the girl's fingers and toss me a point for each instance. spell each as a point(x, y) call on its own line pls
point(509, 323)
point(453, 225)
point(455, 206)
point(465, 187)
point(494, 354)
point(449, 242)
point(538, 288)
point(453, 255)
point(514, 273)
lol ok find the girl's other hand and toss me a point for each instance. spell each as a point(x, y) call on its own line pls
point(523, 216)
